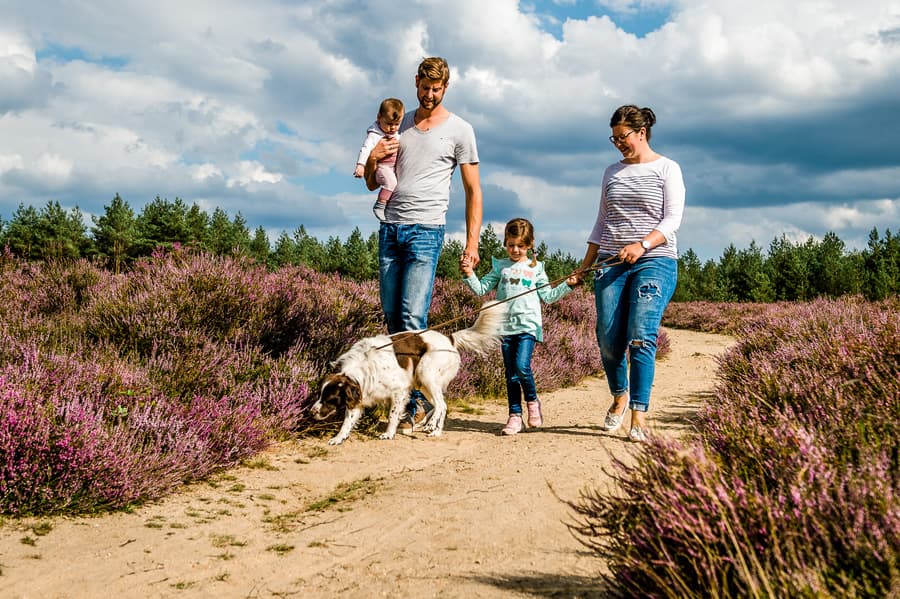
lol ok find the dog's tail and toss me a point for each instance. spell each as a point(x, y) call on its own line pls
point(484, 335)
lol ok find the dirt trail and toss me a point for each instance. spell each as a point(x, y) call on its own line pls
point(470, 514)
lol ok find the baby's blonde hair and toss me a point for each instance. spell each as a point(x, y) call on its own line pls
point(521, 228)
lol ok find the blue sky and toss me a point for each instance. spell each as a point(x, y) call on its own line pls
point(785, 116)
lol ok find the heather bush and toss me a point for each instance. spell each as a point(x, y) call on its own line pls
point(78, 436)
point(148, 309)
point(132, 385)
point(727, 318)
point(792, 485)
point(826, 365)
point(324, 312)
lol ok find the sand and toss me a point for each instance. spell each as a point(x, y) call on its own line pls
point(469, 514)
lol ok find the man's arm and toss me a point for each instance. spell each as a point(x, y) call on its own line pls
point(385, 147)
point(471, 180)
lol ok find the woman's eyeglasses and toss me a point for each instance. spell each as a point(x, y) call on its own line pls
point(620, 138)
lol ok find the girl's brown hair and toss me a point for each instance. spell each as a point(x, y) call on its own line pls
point(521, 228)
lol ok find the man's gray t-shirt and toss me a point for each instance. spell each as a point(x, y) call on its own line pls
point(425, 165)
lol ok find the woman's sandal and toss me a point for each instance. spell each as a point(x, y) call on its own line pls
point(637, 434)
point(612, 422)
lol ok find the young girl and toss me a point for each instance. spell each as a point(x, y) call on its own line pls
point(512, 277)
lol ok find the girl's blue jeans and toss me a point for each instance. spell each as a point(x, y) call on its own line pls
point(517, 351)
point(631, 299)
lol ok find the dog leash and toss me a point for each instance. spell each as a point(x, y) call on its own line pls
point(596, 266)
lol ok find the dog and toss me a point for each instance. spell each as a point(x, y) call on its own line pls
point(385, 369)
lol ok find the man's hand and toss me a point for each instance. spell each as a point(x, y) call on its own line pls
point(469, 259)
point(385, 147)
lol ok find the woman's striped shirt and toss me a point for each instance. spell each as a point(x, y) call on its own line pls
point(635, 199)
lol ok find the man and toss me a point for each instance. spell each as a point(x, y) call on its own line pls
point(432, 142)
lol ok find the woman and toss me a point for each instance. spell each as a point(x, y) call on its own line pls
point(641, 202)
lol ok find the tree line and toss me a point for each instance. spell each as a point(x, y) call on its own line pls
point(787, 271)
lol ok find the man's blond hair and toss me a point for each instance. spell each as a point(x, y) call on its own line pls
point(434, 68)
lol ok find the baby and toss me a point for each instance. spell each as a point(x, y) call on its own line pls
point(387, 124)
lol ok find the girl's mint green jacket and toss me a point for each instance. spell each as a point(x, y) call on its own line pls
point(512, 278)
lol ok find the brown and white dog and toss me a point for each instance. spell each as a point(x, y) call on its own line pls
point(383, 369)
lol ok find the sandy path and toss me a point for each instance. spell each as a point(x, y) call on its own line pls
point(470, 514)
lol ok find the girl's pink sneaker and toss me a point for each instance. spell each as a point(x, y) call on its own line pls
point(513, 425)
point(535, 418)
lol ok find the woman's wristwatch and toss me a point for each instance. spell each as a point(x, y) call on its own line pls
point(646, 245)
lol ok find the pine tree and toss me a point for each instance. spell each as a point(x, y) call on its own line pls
point(285, 252)
point(689, 274)
point(22, 235)
point(448, 262)
point(197, 224)
point(61, 234)
point(489, 246)
point(309, 251)
point(162, 223)
point(334, 255)
point(221, 237)
point(880, 282)
point(357, 262)
point(115, 232)
point(240, 234)
point(259, 246)
point(829, 274)
point(788, 270)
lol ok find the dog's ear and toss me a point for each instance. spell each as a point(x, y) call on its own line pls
point(353, 394)
point(329, 381)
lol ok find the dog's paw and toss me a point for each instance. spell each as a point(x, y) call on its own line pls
point(335, 440)
point(385, 437)
point(435, 433)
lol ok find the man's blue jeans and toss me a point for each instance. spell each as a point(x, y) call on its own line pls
point(517, 351)
point(407, 260)
point(631, 299)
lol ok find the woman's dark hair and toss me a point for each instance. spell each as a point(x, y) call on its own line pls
point(634, 118)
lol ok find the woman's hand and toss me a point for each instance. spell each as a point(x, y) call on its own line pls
point(631, 252)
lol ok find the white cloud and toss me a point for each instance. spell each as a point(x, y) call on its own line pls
point(252, 172)
point(53, 166)
point(861, 215)
point(9, 162)
point(24, 84)
point(15, 53)
point(201, 172)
